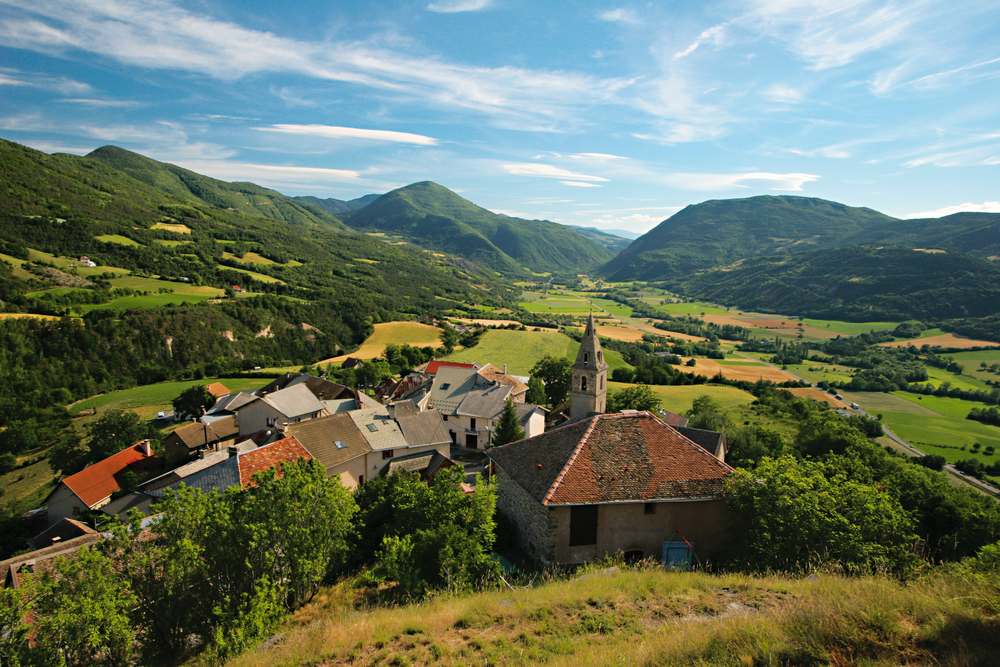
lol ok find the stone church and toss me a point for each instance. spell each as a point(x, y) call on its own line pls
point(601, 484)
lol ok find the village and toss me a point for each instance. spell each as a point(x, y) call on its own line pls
point(577, 484)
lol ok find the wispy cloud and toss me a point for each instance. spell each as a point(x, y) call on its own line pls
point(162, 35)
point(542, 170)
point(714, 35)
point(783, 94)
point(596, 157)
point(791, 182)
point(457, 6)
point(100, 103)
point(580, 184)
point(338, 132)
point(286, 178)
point(981, 207)
point(63, 85)
point(982, 70)
point(619, 15)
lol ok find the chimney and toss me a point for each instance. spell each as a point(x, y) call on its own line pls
point(233, 450)
point(146, 447)
point(505, 369)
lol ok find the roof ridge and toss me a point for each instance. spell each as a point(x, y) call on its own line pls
point(572, 459)
point(699, 448)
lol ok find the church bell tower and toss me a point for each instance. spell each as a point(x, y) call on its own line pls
point(589, 389)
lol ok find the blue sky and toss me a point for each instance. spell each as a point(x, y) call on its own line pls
point(603, 114)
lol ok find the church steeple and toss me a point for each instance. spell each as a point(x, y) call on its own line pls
point(589, 389)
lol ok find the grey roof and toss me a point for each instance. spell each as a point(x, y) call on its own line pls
point(125, 504)
point(366, 402)
point(321, 388)
point(423, 428)
point(407, 407)
point(207, 460)
point(231, 402)
point(294, 401)
point(220, 475)
point(331, 440)
point(711, 441)
point(379, 429)
point(463, 391)
point(425, 463)
point(199, 434)
point(340, 405)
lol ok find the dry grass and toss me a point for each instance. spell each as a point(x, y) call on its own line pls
point(389, 333)
point(818, 395)
point(748, 372)
point(175, 228)
point(20, 316)
point(651, 617)
point(942, 340)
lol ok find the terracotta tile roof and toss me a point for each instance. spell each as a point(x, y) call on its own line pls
point(435, 364)
point(491, 372)
point(270, 456)
point(624, 457)
point(217, 389)
point(97, 481)
point(673, 419)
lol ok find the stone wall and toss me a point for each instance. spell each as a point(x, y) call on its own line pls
point(530, 519)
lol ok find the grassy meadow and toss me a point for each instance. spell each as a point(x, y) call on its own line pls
point(385, 334)
point(568, 302)
point(617, 616)
point(680, 398)
point(520, 350)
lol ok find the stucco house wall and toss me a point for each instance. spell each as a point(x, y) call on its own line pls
point(351, 473)
point(376, 462)
point(627, 527)
point(63, 503)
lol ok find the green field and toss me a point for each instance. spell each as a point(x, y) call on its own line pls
point(264, 278)
point(147, 400)
point(970, 362)
point(117, 239)
point(27, 486)
point(521, 350)
point(815, 371)
point(938, 376)
point(566, 302)
point(170, 243)
point(72, 264)
point(694, 308)
point(849, 328)
point(679, 398)
point(933, 424)
point(178, 293)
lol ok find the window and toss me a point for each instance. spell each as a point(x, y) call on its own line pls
point(649, 508)
point(472, 423)
point(600, 356)
point(583, 525)
point(387, 454)
point(271, 421)
point(361, 479)
point(586, 357)
point(445, 385)
point(445, 417)
point(583, 383)
point(371, 427)
point(339, 444)
point(602, 382)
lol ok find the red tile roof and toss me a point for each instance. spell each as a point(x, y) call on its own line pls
point(434, 365)
point(270, 456)
point(624, 457)
point(97, 481)
point(673, 419)
point(217, 389)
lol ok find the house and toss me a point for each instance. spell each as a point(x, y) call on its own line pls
point(228, 405)
point(672, 418)
point(337, 444)
point(471, 404)
point(92, 487)
point(383, 435)
point(518, 385)
point(609, 483)
point(290, 405)
point(190, 439)
point(712, 442)
point(206, 459)
point(434, 365)
point(62, 531)
point(322, 389)
point(13, 570)
point(217, 390)
point(237, 468)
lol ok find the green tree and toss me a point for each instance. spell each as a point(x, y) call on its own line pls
point(639, 397)
point(371, 373)
point(193, 402)
point(116, 430)
point(556, 374)
point(707, 413)
point(536, 391)
point(449, 338)
point(81, 611)
point(508, 428)
point(747, 445)
point(799, 515)
point(13, 630)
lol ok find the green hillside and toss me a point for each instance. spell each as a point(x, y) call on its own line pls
point(435, 217)
point(719, 232)
point(336, 207)
point(857, 283)
point(609, 240)
point(186, 185)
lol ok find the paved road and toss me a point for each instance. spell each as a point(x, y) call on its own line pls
point(912, 451)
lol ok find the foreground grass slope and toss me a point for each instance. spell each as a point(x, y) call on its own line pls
point(653, 617)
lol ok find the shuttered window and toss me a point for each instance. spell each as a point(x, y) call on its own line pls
point(583, 525)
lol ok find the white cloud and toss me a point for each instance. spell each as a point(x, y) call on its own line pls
point(161, 35)
point(982, 207)
point(57, 147)
point(965, 73)
point(338, 132)
point(100, 103)
point(580, 184)
point(783, 94)
point(791, 182)
point(63, 85)
point(456, 6)
point(286, 178)
point(714, 35)
point(619, 15)
point(550, 171)
point(833, 33)
point(596, 157)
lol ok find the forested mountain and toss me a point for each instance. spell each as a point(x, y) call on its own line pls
point(188, 186)
point(718, 232)
point(337, 207)
point(610, 240)
point(857, 283)
point(435, 217)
